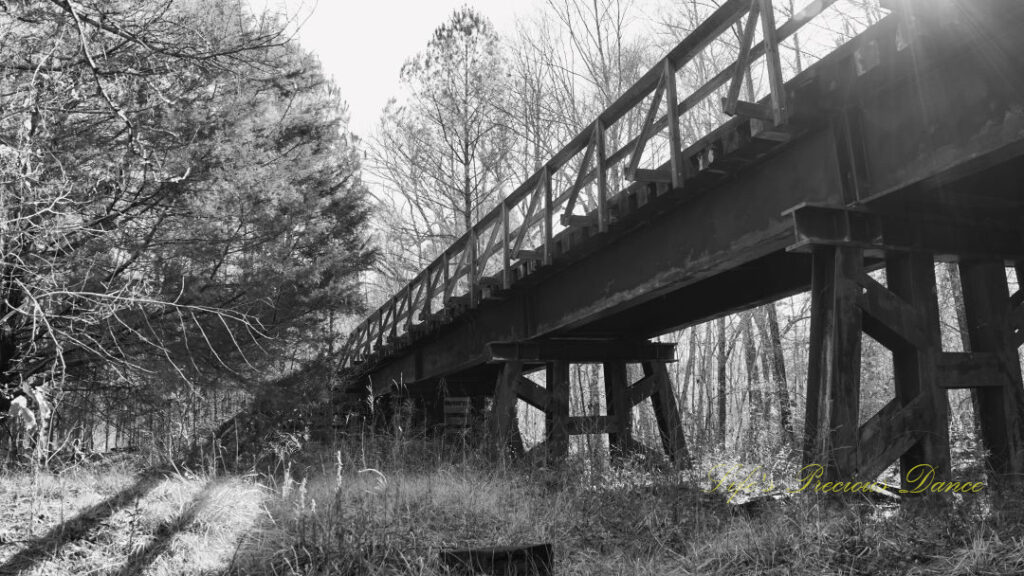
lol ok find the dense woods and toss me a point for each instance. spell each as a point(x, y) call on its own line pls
point(181, 212)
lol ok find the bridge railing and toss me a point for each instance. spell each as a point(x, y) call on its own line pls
point(522, 226)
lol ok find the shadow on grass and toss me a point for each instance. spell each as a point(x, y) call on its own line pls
point(164, 534)
point(77, 527)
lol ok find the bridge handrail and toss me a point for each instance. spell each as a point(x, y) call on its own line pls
point(439, 281)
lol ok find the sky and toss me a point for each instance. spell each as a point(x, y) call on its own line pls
point(363, 43)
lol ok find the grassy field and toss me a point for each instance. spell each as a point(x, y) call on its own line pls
point(388, 508)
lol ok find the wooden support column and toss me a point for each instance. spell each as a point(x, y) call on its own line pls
point(1001, 402)
point(822, 273)
point(833, 371)
point(620, 432)
point(557, 415)
point(670, 425)
point(911, 276)
point(504, 405)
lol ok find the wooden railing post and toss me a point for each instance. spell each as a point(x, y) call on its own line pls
point(380, 329)
point(602, 177)
point(471, 268)
point(771, 51)
point(548, 215)
point(393, 318)
point(446, 289)
point(408, 309)
point(506, 250)
point(428, 298)
point(674, 138)
point(366, 338)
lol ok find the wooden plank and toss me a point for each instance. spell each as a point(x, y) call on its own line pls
point(557, 416)
point(743, 59)
point(643, 175)
point(666, 413)
point(642, 389)
point(617, 406)
point(893, 321)
point(751, 110)
point(532, 255)
point(533, 394)
point(969, 370)
point(537, 560)
point(577, 221)
point(986, 306)
point(889, 434)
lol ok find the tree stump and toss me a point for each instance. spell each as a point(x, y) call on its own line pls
point(500, 560)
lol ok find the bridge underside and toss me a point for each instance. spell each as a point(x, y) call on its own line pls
point(902, 148)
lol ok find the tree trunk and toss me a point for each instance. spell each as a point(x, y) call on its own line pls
point(757, 411)
point(721, 380)
point(768, 324)
point(952, 274)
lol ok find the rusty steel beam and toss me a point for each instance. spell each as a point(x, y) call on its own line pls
point(580, 351)
point(878, 231)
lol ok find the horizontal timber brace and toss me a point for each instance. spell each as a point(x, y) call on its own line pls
point(580, 351)
point(970, 370)
point(876, 231)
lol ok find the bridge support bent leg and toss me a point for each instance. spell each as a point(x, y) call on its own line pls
point(911, 276)
point(556, 418)
point(903, 317)
point(620, 421)
point(990, 315)
point(666, 412)
point(503, 418)
point(833, 370)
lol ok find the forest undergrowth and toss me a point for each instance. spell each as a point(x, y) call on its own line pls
point(388, 504)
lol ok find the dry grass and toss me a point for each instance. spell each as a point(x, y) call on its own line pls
point(113, 521)
point(387, 508)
